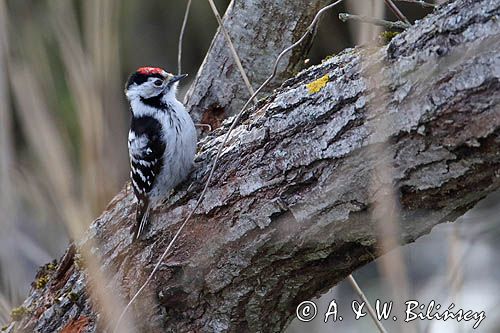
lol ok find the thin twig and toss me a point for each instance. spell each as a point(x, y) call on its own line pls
point(309, 29)
point(344, 17)
point(396, 11)
point(181, 36)
point(233, 50)
point(420, 2)
point(361, 294)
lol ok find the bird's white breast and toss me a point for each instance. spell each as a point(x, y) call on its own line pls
point(180, 137)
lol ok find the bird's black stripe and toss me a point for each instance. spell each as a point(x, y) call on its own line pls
point(139, 78)
point(152, 154)
point(155, 101)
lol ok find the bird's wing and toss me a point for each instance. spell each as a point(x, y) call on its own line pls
point(146, 151)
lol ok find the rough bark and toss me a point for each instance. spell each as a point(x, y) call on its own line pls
point(260, 30)
point(288, 214)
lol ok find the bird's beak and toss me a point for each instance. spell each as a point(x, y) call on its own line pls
point(177, 78)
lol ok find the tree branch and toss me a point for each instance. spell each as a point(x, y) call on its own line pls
point(288, 214)
point(259, 29)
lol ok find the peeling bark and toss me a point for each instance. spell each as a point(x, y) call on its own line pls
point(260, 30)
point(288, 214)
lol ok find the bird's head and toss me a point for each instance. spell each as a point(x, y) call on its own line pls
point(151, 82)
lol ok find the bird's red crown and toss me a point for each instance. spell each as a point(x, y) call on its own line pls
point(150, 70)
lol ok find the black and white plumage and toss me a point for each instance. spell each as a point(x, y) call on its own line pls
point(161, 141)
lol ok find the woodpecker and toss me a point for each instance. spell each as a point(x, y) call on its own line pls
point(161, 141)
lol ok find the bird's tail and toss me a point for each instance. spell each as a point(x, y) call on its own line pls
point(141, 218)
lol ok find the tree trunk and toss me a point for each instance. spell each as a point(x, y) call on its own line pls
point(288, 214)
point(260, 30)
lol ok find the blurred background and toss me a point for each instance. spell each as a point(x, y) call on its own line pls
point(64, 123)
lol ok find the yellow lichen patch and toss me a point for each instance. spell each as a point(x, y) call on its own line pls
point(17, 313)
point(386, 36)
point(41, 282)
point(317, 85)
point(52, 266)
point(328, 57)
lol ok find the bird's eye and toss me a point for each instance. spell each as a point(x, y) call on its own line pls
point(158, 83)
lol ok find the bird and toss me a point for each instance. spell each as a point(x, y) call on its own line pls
point(161, 141)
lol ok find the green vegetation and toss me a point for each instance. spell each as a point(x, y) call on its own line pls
point(73, 297)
